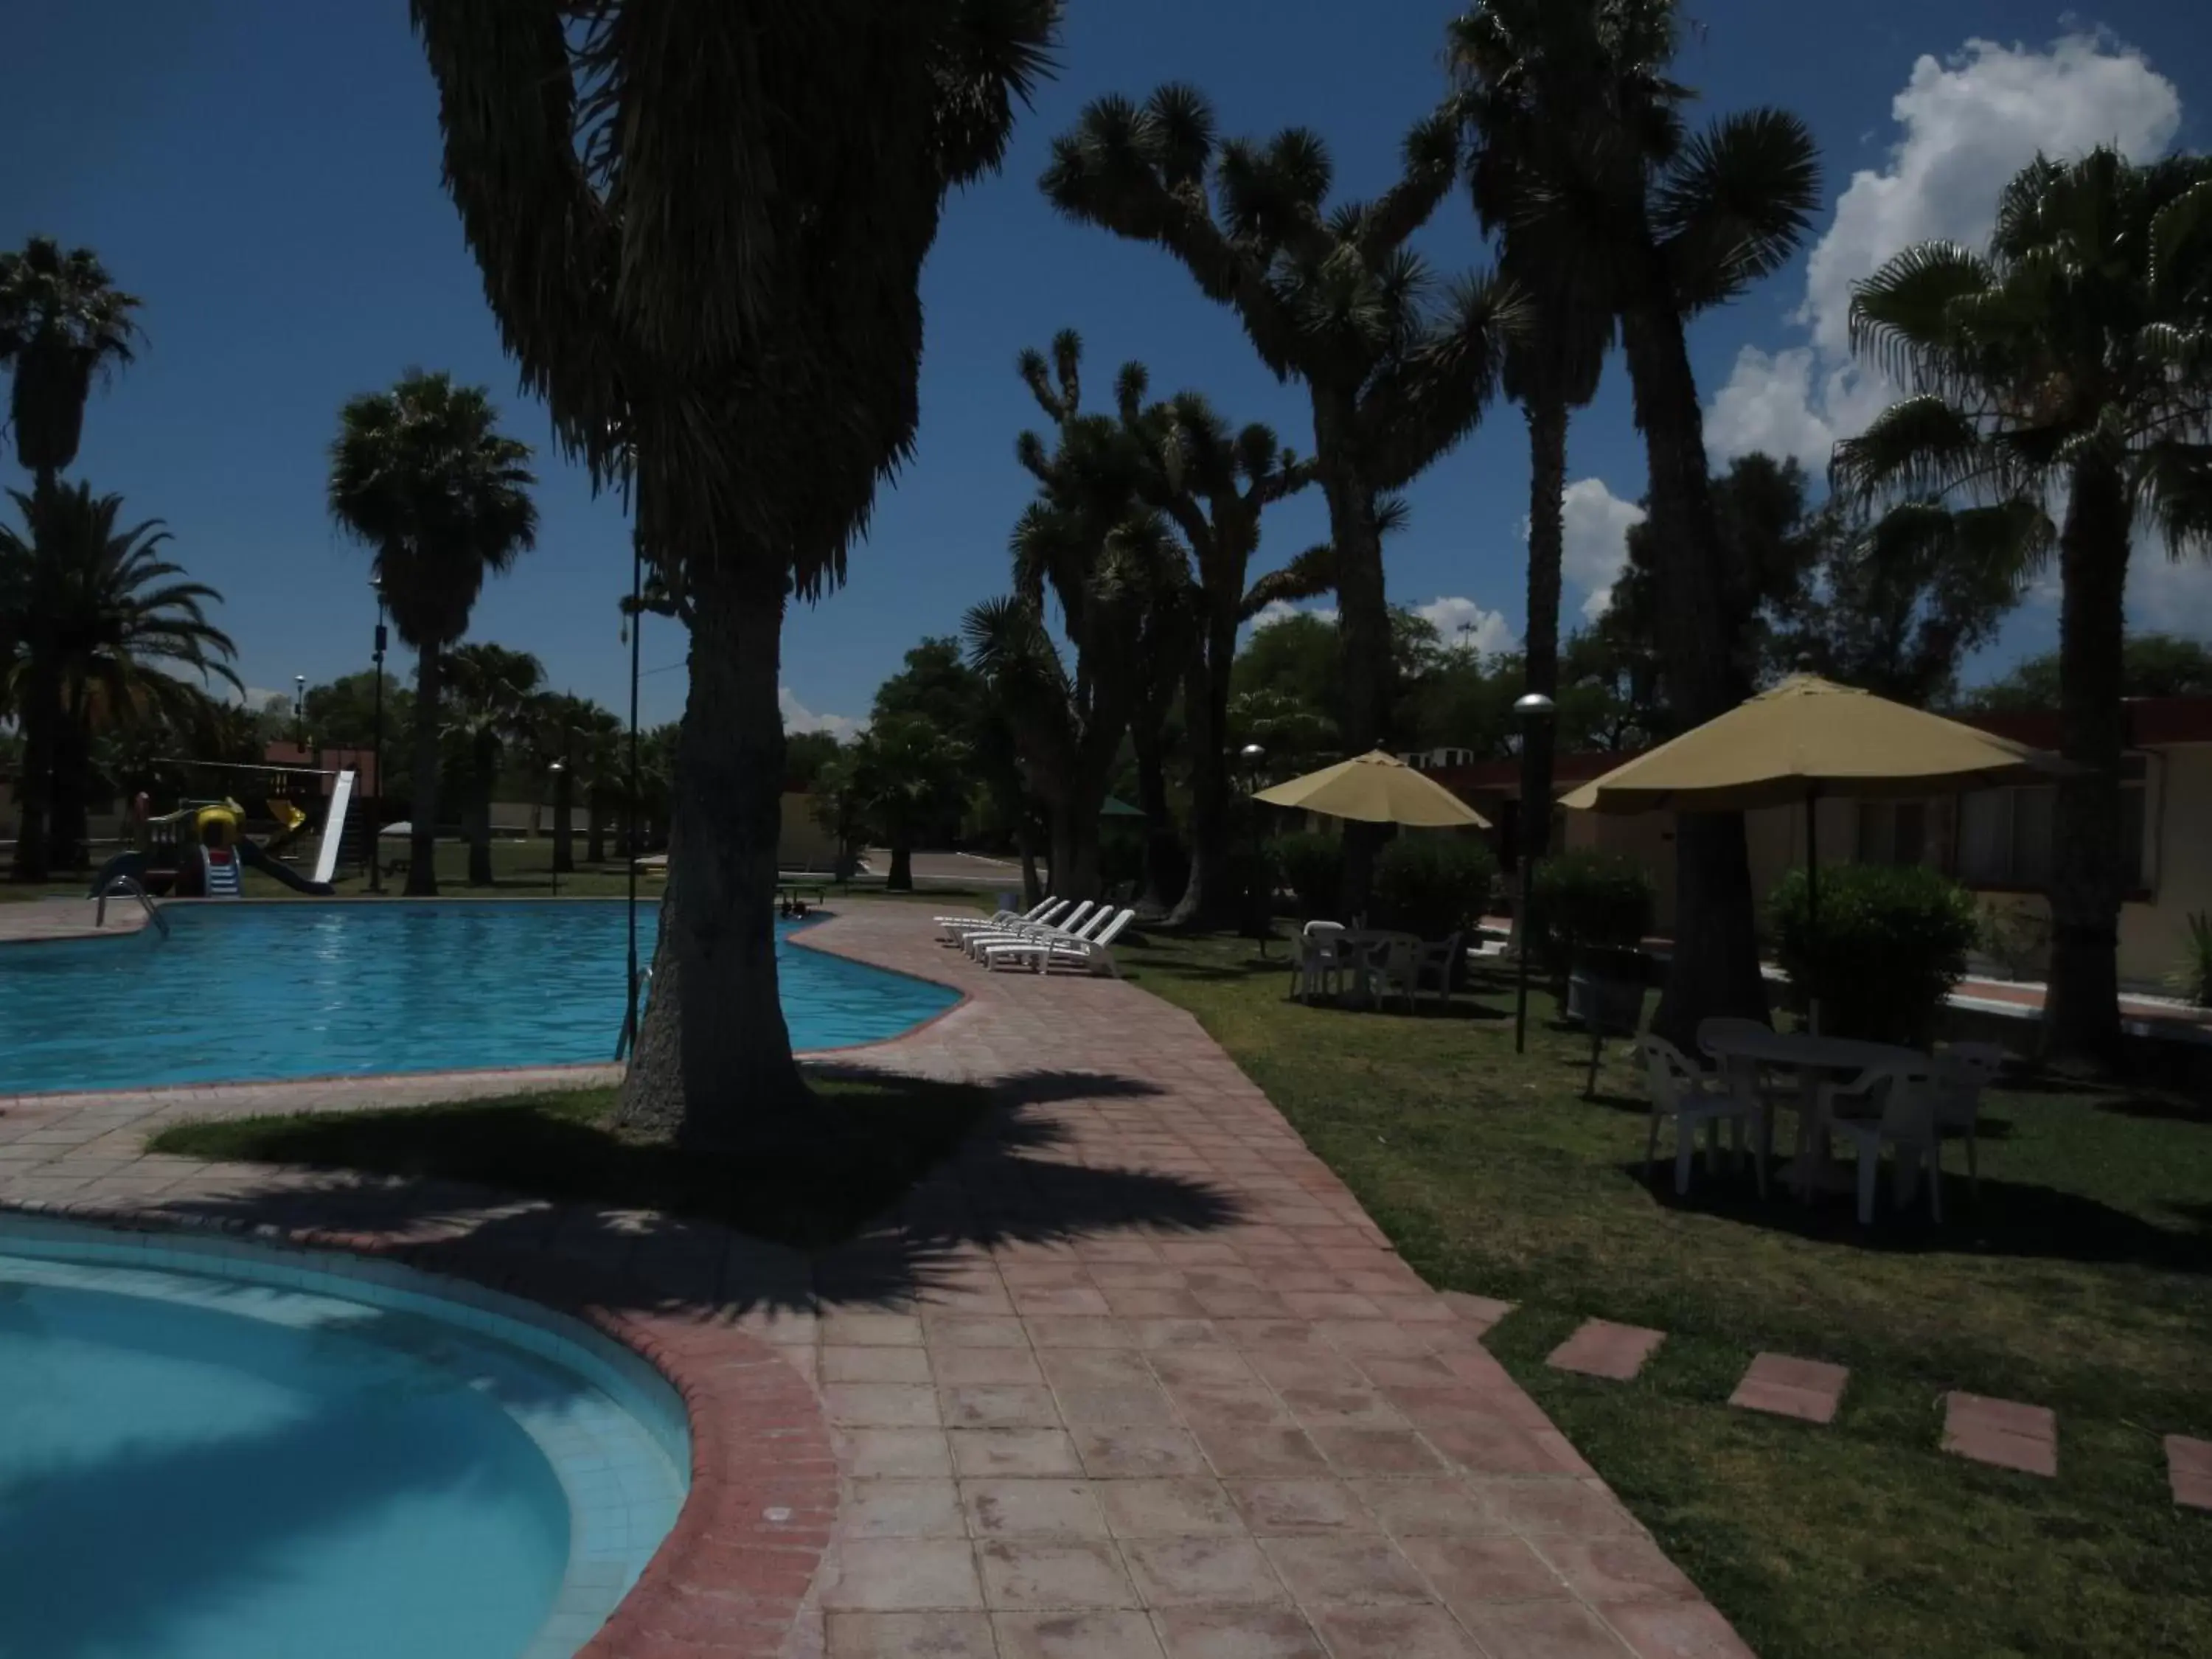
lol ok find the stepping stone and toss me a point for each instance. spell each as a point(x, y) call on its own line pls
point(2188, 1467)
point(1602, 1348)
point(2002, 1431)
point(1479, 1312)
point(1806, 1388)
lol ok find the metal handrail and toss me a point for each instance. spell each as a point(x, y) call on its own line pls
point(632, 1016)
point(129, 884)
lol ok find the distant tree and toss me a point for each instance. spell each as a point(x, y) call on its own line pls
point(805, 755)
point(341, 713)
point(901, 773)
point(2151, 666)
point(490, 702)
point(63, 321)
point(1331, 296)
point(579, 735)
point(422, 476)
point(100, 622)
point(935, 683)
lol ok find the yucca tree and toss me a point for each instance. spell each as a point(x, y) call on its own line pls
point(1615, 197)
point(101, 622)
point(423, 476)
point(1330, 296)
point(701, 224)
point(491, 707)
point(2072, 360)
point(1216, 484)
point(62, 322)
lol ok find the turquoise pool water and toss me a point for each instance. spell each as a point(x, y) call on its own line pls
point(260, 991)
point(210, 1450)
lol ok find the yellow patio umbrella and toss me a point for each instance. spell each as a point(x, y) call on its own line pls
point(1805, 738)
point(1376, 788)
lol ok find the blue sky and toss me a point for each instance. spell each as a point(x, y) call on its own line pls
point(264, 175)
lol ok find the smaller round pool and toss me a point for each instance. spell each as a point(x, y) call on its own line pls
point(215, 1450)
point(245, 991)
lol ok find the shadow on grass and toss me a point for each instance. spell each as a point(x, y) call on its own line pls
point(922, 1172)
point(2007, 1219)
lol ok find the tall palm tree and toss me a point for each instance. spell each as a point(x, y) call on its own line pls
point(1330, 296)
point(1616, 197)
point(1215, 483)
point(423, 475)
point(702, 226)
point(102, 622)
point(2073, 360)
point(579, 735)
point(63, 321)
point(490, 704)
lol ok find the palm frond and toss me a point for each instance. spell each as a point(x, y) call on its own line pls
point(1310, 574)
point(1735, 204)
point(1920, 447)
point(1903, 315)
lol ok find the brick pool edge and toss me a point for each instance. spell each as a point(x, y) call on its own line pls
point(729, 1578)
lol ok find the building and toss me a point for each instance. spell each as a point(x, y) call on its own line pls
point(1996, 842)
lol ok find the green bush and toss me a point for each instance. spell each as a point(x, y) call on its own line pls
point(1312, 867)
point(2193, 978)
point(1434, 884)
point(1588, 900)
point(1891, 945)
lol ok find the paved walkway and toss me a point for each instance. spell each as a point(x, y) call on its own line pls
point(1132, 1374)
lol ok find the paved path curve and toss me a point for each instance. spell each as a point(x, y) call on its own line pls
point(1132, 1375)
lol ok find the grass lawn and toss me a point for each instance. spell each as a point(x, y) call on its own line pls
point(2080, 1279)
point(521, 869)
point(565, 1145)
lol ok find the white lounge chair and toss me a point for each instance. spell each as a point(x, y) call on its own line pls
point(952, 928)
point(1092, 955)
point(1079, 923)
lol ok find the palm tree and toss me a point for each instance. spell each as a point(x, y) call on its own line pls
point(581, 736)
point(62, 321)
point(1331, 296)
point(648, 190)
point(2073, 358)
point(900, 772)
point(1613, 196)
point(102, 618)
point(490, 697)
point(423, 475)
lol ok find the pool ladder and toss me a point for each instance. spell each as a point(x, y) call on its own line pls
point(129, 884)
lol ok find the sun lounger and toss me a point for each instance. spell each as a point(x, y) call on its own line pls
point(950, 928)
point(1083, 920)
point(1090, 956)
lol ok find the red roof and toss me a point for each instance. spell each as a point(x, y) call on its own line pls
point(2153, 722)
point(1503, 776)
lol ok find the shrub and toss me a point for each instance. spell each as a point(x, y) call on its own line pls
point(1312, 867)
point(2193, 978)
point(1433, 884)
point(1589, 902)
point(2015, 937)
point(1891, 944)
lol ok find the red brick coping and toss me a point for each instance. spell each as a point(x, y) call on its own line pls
point(728, 1579)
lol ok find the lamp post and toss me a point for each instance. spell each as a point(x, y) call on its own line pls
point(1534, 711)
point(376, 801)
point(299, 712)
point(1261, 898)
point(556, 769)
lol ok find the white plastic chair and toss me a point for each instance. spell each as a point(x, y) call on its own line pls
point(1318, 967)
point(1907, 1120)
point(1752, 1078)
point(1090, 955)
point(1681, 1091)
point(1438, 959)
point(1963, 1071)
point(1066, 926)
point(1386, 968)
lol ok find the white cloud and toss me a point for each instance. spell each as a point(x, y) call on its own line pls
point(1595, 549)
point(261, 696)
point(1486, 631)
point(1276, 609)
point(2168, 597)
point(797, 717)
point(1967, 126)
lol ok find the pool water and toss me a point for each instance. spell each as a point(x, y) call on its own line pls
point(261, 991)
point(195, 1466)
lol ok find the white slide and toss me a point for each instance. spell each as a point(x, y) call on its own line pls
point(326, 855)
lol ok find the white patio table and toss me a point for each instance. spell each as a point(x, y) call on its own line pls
point(1820, 1062)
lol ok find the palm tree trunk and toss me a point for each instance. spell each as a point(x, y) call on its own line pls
point(712, 1064)
point(41, 716)
point(2081, 1012)
point(480, 789)
point(1714, 969)
point(901, 878)
point(1363, 621)
point(66, 808)
point(1547, 535)
point(595, 829)
point(423, 813)
point(564, 830)
point(1206, 899)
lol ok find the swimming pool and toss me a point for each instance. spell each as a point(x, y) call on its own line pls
point(211, 1448)
point(245, 991)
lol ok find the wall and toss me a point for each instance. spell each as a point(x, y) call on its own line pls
point(804, 844)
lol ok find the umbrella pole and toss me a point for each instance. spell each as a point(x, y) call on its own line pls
point(1813, 904)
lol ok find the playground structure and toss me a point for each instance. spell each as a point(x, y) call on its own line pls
point(201, 850)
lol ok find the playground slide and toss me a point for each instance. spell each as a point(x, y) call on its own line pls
point(252, 855)
point(132, 864)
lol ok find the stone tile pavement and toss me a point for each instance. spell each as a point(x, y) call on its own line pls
point(1132, 1373)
